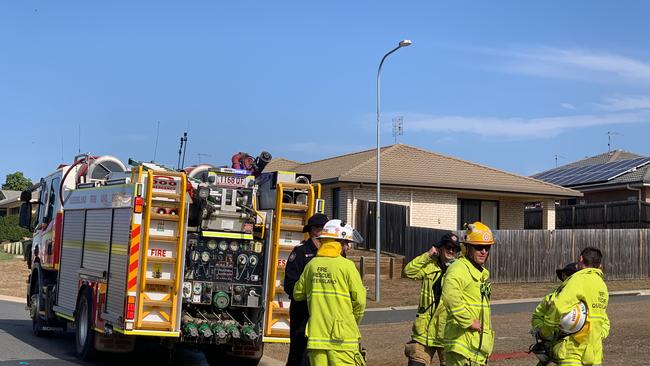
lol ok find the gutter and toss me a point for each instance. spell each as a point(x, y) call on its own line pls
point(638, 190)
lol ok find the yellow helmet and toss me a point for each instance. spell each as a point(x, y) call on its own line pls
point(479, 234)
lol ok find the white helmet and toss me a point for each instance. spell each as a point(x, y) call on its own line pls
point(574, 320)
point(339, 230)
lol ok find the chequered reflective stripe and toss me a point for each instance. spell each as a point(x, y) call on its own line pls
point(134, 255)
point(570, 362)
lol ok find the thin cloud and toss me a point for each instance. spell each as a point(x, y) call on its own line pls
point(576, 64)
point(520, 128)
point(568, 106)
point(625, 103)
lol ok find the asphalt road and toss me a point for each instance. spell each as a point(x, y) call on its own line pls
point(18, 346)
point(397, 316)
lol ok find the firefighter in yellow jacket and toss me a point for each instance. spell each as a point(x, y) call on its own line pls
point(543, 307)
point(578, 337)
point(336, 299)
point(466, 296)
point(429, 326)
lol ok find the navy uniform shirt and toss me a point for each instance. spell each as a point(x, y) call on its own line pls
point(298, 259)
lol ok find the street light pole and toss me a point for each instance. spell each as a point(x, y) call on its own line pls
point(403, 43)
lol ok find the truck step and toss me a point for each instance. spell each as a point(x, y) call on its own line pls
point(155, 325)
point(163, 195)
point(289, 227)
point(294, 207)
point(159, 281)
point(157, 216)
point(163, 238)
point(161, 259)
point(159, 303)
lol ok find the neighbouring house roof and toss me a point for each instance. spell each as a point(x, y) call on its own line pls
point(608, 157)
point(10, 197)
point(405, 165)
point(634, 176)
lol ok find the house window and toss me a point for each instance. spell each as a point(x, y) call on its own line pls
point(336, 202)
point(484, 211)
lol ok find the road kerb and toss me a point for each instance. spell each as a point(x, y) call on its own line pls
point(517, 301)
point(12, 299)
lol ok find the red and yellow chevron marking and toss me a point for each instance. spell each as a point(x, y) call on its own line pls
point(134, 255)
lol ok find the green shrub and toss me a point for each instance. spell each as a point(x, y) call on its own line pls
point(9, 229)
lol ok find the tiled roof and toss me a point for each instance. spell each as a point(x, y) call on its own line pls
point(411, 166)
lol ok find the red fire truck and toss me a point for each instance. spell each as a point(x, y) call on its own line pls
point(193, 257)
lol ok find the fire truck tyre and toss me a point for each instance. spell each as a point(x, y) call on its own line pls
point(85, 335)
point(36, 302)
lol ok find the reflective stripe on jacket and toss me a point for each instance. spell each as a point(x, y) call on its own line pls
point(429, 324)
point(336, 299)
point(461, 296)
point(586, 346)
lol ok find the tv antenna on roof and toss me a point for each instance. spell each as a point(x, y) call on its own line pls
point(398, 127)
point(609, 139)
point(558, 156)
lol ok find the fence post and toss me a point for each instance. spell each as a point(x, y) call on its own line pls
point(605, 215)
point(362, 267)
point(639, 205)
point(573, 217)
point(391, 268)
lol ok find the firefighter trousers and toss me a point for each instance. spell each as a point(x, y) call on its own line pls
point(455, 359)
point(419, 354)
point(325, 357)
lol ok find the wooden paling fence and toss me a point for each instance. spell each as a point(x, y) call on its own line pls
point(533, 255)
point(519, 255)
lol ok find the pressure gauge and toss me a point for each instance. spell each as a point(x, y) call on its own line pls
point(223, 245)
point(234, 246)
point(205, 256)
point(212, 244)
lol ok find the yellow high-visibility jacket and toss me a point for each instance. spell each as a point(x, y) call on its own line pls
point(540, 311)
point(336, 299)
point(429, 325)
point(586, 346)
point(465, 294)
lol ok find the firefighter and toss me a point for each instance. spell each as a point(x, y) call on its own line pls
point(298, 314)
point(429, 326)
point(585, 346)
point(542, 308)
point(466, 296)
point(336, 299)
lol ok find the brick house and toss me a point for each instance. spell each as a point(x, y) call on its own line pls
point(441, 192)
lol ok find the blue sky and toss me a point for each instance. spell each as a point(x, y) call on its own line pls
point(509, 84)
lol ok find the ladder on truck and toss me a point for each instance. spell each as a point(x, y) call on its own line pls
point(161, 254)
point(289, 219)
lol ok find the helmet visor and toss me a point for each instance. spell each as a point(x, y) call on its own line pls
point(356, 237)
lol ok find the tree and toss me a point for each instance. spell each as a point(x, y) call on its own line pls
point(17, 182)
point(9, 229)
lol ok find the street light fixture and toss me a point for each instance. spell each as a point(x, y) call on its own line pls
point(403, 43)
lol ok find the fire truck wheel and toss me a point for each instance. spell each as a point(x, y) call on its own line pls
point(36, 302)
point(85, 335)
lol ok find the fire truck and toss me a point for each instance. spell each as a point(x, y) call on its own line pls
point(191, 258)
